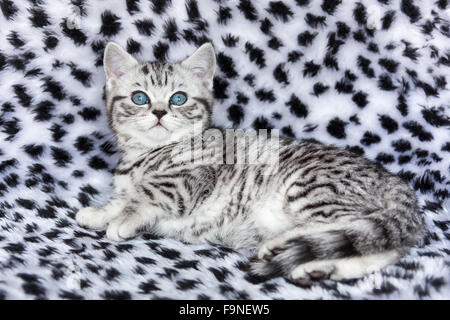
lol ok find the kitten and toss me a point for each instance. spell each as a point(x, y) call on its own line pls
point(317, 212)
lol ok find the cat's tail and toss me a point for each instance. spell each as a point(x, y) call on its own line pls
point(364, 238)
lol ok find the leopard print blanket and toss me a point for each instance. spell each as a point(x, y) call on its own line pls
point(371, 76)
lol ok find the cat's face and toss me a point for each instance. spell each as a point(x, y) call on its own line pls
point(158, 103)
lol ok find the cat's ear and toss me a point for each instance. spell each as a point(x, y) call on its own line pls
point(203, 63)
point(117, 61)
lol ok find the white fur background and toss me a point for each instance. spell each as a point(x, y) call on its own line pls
point(44, 254)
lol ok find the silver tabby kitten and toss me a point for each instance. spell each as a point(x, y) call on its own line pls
point(319, 212)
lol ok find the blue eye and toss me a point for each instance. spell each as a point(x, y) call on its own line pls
point(139, 98)
point(178, 99)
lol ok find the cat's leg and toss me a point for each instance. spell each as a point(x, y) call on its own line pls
point(279, 255)
point(345, 268)
point(273, 246)
point(99, 217)
point(335, 249)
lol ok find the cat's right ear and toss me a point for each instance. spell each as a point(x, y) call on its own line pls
point(117, 61)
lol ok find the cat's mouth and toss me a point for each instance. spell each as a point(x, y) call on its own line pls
point(159, 125)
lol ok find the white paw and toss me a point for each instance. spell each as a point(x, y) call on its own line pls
point(315, 269)
point(299, 273)
point(346, 268)
point(127, 230)
point(263, 251)
point(270, 247)
point(122, 228)
point(91, 217)
point(112, 233)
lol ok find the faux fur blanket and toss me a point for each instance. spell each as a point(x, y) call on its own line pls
point(371, 76)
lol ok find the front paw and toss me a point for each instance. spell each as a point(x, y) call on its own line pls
point(91, 217)
point(112, 233)
point(123, 228)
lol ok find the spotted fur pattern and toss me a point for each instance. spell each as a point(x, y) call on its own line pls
point(370, 77)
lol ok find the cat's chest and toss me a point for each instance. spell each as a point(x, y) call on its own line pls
point(141, 166)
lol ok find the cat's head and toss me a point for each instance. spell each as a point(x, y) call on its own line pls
point(157, 103)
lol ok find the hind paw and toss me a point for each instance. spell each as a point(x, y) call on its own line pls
point(306, 273)
point(345, 268)
point(270, 249)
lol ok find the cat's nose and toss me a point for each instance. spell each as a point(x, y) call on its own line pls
point(159, 113)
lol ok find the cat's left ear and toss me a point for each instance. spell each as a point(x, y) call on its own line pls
point(203, 63)
point(117, 61)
